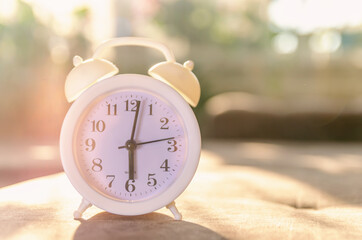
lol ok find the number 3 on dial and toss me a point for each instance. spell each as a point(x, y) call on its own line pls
point(173, 147)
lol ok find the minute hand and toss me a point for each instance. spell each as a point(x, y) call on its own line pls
point(158, 140)
point(135, 120)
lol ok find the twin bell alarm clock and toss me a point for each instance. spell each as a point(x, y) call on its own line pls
point(130, 144)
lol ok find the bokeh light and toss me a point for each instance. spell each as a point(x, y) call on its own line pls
point(285, 43)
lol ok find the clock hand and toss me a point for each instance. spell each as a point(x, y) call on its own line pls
point(131, 144)
point(135, 120)
point(131, 163)
point(159, 140)
point(141, 143)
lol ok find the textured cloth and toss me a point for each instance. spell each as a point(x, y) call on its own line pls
point(242, 190)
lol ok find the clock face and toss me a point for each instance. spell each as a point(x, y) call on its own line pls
point(130, 145)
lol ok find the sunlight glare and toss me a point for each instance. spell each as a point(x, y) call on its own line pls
point(43, 152)
point(341, 164)
point(307, 16)
point(8, 10)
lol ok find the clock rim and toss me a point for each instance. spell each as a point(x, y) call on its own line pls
point(124, 82)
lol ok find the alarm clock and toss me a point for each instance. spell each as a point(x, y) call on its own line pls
point(130, 144)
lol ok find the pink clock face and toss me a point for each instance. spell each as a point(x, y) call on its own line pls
point(130, 145)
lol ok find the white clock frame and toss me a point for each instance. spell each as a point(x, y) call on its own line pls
point(68, 156)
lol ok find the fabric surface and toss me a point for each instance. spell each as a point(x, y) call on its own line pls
point(242, 190)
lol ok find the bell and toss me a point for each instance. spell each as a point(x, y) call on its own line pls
point(85, 74)
point(180, 77)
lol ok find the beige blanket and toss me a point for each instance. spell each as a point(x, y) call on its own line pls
point(242, 190)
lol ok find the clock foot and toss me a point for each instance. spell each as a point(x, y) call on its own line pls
point(82, 207)
point(176, 214)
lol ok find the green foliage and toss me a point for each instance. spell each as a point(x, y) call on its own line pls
point(81, 13)
point(205, 22)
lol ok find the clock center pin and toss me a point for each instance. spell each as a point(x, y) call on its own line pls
point(131, 145)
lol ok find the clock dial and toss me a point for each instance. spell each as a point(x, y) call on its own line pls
point(130, 145)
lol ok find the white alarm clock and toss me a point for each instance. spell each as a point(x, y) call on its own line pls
point(130, 144)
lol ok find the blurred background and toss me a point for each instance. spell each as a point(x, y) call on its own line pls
point(285, 70)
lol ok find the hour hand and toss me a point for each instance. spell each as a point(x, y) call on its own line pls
point(141, 143)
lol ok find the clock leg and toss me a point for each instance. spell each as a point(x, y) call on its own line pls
point(82, 207)
point(176, 214)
